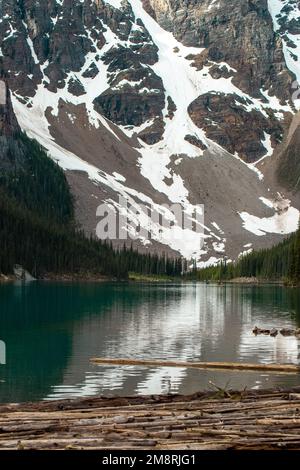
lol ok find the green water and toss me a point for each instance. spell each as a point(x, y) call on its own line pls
point(52, 330)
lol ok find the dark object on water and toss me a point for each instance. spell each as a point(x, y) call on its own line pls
point(287, 332)
point(274, 332)
point(261, 331)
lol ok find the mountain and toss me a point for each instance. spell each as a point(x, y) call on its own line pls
point(161, 102)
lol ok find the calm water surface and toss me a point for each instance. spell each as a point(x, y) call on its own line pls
point(52, 330)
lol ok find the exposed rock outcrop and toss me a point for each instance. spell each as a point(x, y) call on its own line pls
point(22, 275)
point(238, 32)
point(48, 42)
point(228, 120)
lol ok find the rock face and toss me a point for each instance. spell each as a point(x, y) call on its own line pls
point(48, 42)
point(240, 35)
point(227, 121)
point(36, 50)
point(144, 96)
point(238, 32)
point(22, 275)
point(136, 93)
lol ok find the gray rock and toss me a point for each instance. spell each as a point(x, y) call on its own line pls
point(22, 275)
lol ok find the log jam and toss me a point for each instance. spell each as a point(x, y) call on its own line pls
point(268, 419)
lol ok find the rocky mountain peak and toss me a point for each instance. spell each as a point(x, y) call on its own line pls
point(164, 101)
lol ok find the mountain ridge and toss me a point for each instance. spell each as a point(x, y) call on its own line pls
point(175, 115)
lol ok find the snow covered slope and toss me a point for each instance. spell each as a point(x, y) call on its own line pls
point(135, 99)
point(286, 18)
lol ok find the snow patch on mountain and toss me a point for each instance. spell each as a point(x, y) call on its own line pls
point(187, 241)
point(183, 83)
point(289, 11)
point(114, 3)
point(284, 221)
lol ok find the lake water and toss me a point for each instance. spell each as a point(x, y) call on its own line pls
point(51, 331)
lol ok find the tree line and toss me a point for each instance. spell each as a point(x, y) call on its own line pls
point(281, 262)
point(38, 229)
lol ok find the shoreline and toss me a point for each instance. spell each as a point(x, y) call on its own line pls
point(253, 281)
point(216, 420)
point(140, 278)
point(5, 279)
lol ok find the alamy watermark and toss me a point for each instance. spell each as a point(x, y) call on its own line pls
point(127, 219)
point(2, 352)
point(2, 93)
point(296, 93)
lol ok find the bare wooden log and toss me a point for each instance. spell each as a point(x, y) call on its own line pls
point(198, 365)
point(294, 396)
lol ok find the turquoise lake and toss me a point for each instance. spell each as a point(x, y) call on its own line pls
point(51, 330)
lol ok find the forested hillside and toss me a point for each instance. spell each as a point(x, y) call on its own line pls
point(37, 225)
point(37, 183)
point(282, 262)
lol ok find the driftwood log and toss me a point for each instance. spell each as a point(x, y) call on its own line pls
point(284, 368)
point(251, 420)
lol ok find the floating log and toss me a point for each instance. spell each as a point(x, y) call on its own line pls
point(197, 365)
